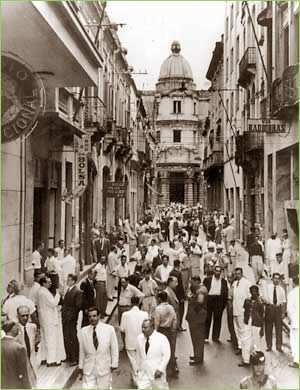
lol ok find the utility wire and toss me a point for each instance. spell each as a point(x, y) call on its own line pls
point(245, 3)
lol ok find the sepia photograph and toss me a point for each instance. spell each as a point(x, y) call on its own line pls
point(150, 194)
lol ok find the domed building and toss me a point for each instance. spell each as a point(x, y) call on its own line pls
point(180, 113)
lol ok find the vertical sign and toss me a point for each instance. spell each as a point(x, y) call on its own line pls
point(82, 171)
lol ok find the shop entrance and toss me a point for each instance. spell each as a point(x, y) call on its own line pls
point(177, 187)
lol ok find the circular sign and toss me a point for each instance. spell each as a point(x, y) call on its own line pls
point(22, 99)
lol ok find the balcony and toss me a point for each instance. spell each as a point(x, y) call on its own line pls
point(214, 160)
point(61, 105)
point(285, 94)
point(94, 113)
point(253, 142)
point(247, 67)
point(249, 149)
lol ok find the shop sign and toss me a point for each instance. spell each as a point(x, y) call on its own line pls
point(83, 144)
point(269, 126)
point(22, 99)
point(82, 170)
point(114, 189)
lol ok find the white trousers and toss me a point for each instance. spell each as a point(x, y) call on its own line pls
point(239, 327)
point(257, 266)
point(132, 356)
point(93, 381)
point(251, 341)
point(146, 382)
point(149, 304)
point(294, 340)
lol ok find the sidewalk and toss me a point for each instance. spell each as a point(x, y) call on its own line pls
point(63, 376)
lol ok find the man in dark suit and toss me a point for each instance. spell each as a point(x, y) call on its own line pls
point(157, 260)
point(216, 302)
point(14, 363)
point(87, 287)
point(72, 304)
point(101, 247)
point(179, 291)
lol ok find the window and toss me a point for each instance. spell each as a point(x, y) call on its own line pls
point(195, 109)
point(194, 137)
point(226, 28)
point(157, 108)
point(227, 108)
point(177, 136)
point(237, 100)
point(231, 106)
point(176, 107)
point(231, 16)
point(286, 51)
point(237, 48)
point(226, 70)
point(158, 136)
point(231, 60)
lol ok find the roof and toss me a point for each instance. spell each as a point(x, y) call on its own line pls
point(175, 66)
point(216, 57)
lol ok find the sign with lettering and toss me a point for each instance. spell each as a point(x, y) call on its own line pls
point(114, 189)
point(83, 144)
point(269, 126)
point(82, 170)
point(22, 99)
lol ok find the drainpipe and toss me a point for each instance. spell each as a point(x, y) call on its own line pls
point(22, 207)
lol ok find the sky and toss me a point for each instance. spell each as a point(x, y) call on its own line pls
point(151, 26)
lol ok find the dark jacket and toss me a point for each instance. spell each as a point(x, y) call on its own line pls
point(179, 291)
point(256, 310)
point(101, 247)
point(88, 294)
point(156, 262)
point(14, 367)
point(72, 304)
point(224, 289)
point(196, 313)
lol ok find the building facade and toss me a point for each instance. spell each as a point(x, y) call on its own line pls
point(89, 124)
point(260, 72)
point(213, 158)
point(180, 111)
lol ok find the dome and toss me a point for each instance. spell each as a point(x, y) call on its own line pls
point(175, 66)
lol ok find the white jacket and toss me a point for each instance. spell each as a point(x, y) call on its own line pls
point(107, 354)
point(158, 355)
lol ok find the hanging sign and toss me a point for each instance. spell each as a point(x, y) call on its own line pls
point(114, 189)
point(82, 170)
point(22, 99)
point(269, 126)
point(83, 144)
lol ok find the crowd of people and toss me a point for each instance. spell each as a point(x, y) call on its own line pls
point(178, 266)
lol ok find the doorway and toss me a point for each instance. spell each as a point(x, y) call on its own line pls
point(177, 187)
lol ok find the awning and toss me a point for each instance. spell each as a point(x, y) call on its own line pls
point(264, 18)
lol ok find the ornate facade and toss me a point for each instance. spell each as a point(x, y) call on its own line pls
point(180, 112)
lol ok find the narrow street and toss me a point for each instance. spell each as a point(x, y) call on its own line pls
point(150, 158)
point(220, 369)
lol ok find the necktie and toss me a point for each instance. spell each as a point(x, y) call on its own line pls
point(27, 342)
point(274, 296)
point(147, 345)
point(95, 338)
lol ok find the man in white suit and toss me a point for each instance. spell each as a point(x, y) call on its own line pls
point(131, 327)
point(98, 352)
point(153, 352)
point(28, 337)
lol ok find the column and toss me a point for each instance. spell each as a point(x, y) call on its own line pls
point(165, 188)
point(274, 194)
point(188, 192)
